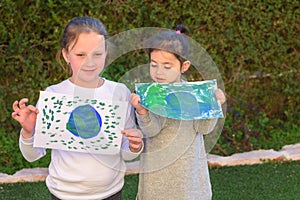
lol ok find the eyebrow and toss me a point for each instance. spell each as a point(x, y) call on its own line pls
point(162, 63)
point(84, 52)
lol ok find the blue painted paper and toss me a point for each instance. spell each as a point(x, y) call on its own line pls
point(182, 101)
point(73, 123)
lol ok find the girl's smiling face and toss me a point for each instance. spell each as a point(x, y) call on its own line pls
point(165, 67)
point(86, 58)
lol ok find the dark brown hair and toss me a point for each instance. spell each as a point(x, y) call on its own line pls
point(175, 42)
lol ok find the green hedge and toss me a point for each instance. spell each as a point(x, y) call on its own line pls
point(255, 44)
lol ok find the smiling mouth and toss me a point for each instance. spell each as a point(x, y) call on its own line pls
point(88, 70)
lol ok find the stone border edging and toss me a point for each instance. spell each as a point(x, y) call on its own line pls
point(288, 152)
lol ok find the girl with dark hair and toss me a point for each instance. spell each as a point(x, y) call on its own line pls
point(173, 164)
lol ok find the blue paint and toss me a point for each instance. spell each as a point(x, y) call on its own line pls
point(183, 101)
point(185, 105)
point(84, 122)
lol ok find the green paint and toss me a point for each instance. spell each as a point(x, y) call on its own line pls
point(116, 107)
point(48, 125)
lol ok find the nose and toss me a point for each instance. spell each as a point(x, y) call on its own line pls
point(159, 70)
point(89, 61)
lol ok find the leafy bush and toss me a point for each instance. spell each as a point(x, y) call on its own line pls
point(255, 44)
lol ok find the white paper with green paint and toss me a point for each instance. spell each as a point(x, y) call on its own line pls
point(76, 124)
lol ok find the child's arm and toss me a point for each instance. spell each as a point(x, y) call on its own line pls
point(150, 124)
point(26, 116)
point(132, 144)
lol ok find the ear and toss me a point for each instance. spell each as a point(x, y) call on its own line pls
point(185, 66)
point(65, 55)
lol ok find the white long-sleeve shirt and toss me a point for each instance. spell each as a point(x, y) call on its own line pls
point(76, 175)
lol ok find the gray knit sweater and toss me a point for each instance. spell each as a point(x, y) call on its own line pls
point(174, 164)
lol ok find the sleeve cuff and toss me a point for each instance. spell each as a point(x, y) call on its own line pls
point(127, 154)
point(143, 120)
point(26, 141)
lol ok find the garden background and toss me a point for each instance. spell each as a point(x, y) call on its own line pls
point(255, 44)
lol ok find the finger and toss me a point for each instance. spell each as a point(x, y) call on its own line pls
point(16, 106)
point(220, 96)
point(132, 133)
point(135, 140)
point(22, 103)
point(132, 96)
point(127, 131)
point(136, 98)
point(15, 115)
point(135, 146)
point(33, 109)
point(218, 92)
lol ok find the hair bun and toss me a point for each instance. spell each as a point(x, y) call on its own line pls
point(183, 29)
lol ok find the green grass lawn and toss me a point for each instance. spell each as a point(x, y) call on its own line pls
point(274, 181)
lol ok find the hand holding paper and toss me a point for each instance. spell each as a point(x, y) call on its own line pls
point(220, 96)
point(135, 101)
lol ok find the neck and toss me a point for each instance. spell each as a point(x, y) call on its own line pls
point(94, 84)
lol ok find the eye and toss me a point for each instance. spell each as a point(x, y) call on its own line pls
point(80, 54)
point(98, 54)
point(167, 66)
point(153, 65)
